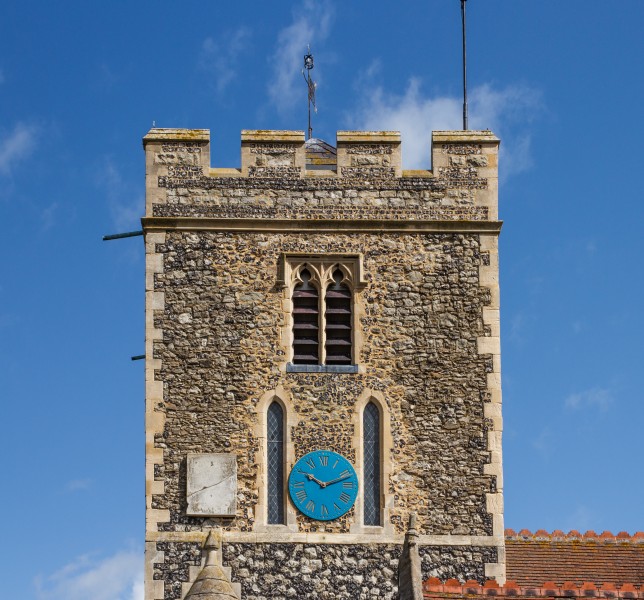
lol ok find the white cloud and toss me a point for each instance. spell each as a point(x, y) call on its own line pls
point(581, 519)
point(125, 202)
point(595, 398)
point(116, 577)
point(518, 323)
point(48, 216)
point(506, 111)
point(311, 24)
point(220, 59)
point(76, 485)
point(16, 146)
point(544, 443)
point(578, 326)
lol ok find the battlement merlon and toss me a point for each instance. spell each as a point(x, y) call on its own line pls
point(464, 164)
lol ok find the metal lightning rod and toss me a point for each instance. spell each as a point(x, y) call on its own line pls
point(464, 67)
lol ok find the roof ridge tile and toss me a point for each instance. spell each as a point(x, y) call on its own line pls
point(434, 588)
point(574, 535)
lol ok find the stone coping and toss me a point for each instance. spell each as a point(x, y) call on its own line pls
point(376, 137)
point(176, 135)
point(272, 135)
point(467, 137)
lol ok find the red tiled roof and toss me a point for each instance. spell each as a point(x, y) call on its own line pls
point(532, 559)
point(559, 565)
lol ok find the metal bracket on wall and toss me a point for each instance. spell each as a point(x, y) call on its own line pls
point(119, 236)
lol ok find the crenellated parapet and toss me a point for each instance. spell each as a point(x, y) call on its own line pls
point(362, 174)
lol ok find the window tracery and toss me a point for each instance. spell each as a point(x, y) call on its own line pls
point(322, 321)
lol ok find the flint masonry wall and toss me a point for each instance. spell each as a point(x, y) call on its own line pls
point(216, 349)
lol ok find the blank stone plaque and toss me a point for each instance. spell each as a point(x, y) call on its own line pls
point(212, 485)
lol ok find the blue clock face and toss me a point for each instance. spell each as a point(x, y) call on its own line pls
point(323, 485)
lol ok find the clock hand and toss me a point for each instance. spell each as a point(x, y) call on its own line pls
point(312, 477)
point(337, 479)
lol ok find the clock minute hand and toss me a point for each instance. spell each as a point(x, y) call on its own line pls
point(337, 479)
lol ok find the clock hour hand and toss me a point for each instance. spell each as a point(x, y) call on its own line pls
point(312, 477)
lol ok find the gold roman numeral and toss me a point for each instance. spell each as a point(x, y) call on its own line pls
point(299, 485)
point(309, 461)
point(345, 473)
point(310, 506)
point(344, 497)
point(347, 484)
point(324, 460)
point(324, 511)
point(301, 495)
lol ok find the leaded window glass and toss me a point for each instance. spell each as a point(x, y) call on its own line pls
point(371, 448)
point(275, 467)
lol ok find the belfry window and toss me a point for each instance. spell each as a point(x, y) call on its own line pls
point(275, 463)
point(371, 467)
point(323, 307)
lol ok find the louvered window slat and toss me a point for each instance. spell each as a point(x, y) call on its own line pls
point(337, 316)
point(306, 340)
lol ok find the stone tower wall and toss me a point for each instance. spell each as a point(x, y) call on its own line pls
point(427, 345)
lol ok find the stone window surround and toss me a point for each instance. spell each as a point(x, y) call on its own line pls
point(386, 457)
point(321, 266)
point(261, 524)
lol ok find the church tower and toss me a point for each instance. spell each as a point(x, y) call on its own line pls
point(323, 392)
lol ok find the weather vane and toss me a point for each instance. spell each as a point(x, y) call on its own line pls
point(311, 85)
point(464, 67)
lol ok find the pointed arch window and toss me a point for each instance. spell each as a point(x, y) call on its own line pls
point(322, 324)
point(372, 464)
point(275, 463)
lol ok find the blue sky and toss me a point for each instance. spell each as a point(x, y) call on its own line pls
point(80, 84)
